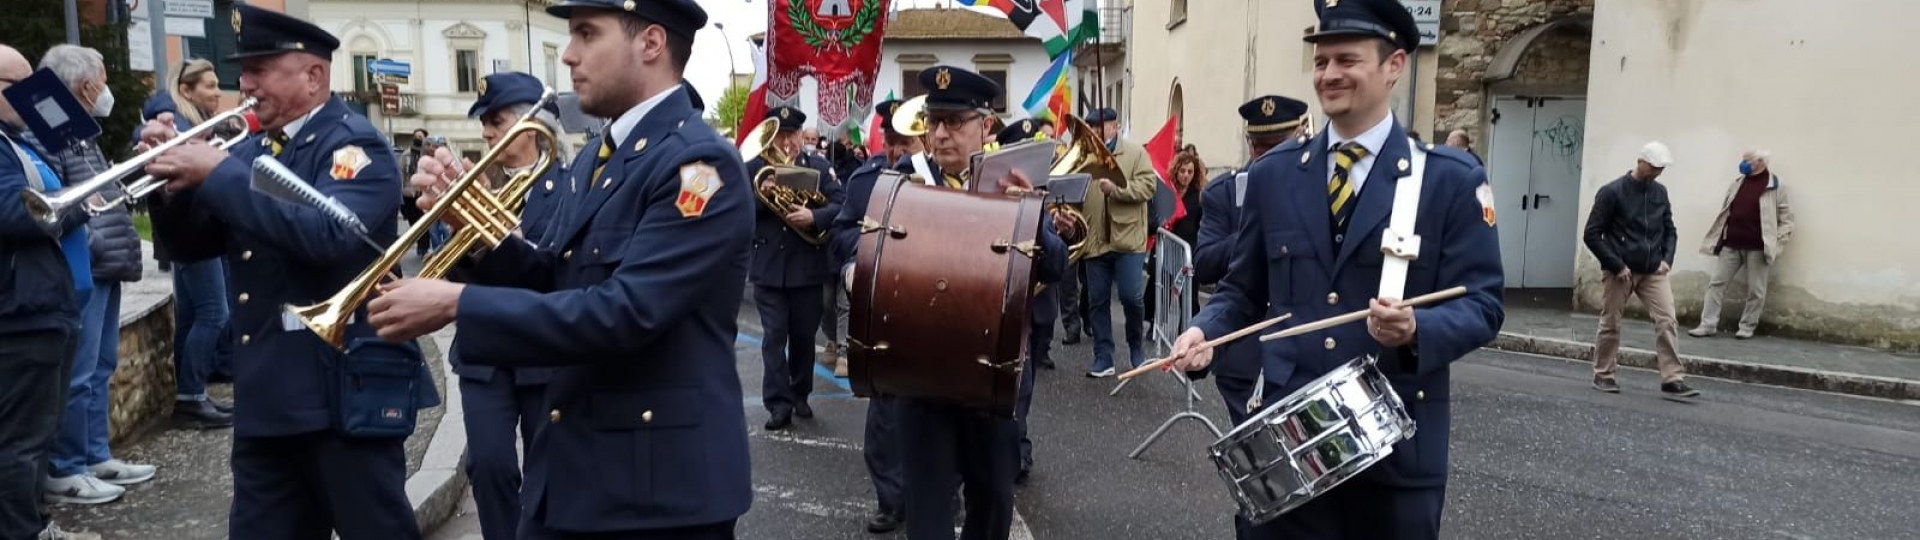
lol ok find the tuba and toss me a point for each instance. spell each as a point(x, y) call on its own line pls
point(1083, 153)
point(791, 185)
point(490, 218)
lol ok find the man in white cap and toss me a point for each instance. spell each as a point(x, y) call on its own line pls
point(1631, 232)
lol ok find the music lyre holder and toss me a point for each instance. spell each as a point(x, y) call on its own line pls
point(1173, 295)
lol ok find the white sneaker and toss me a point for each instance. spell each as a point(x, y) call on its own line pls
point(121, 473)
point(81, 489)
point(1101, 374)
point(53, 532)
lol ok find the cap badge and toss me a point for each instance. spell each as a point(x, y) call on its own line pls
point(236, 21)
point(942, 79)
point(483, 85)
point(1267, 106)
point(784, 113)
point(628, 5)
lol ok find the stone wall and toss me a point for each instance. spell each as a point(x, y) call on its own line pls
point(1473, 31)
point(143, 384)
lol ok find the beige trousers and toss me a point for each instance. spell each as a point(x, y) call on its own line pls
point(1657, 294)
point(1732, 262)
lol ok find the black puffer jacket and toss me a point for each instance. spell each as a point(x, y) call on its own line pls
point(1632, 226)
point(114, 241)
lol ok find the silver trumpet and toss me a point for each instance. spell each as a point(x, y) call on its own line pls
point(47, 208)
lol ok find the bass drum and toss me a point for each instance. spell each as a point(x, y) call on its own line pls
point(939, 305)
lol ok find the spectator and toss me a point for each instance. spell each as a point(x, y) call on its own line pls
point(48, 273)
point(409, 208)
point(1118, 223)
point(810, 142)
point(199, 287)
point(1189, 177)
point(1751, 230)
point(83, 468)
point(439, 233)
point(1459, 139)
point(1631, 231)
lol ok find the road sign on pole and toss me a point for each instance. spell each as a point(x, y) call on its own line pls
point(389, 99)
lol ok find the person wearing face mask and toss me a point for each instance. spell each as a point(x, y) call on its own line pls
point(83, 469)
point(1752, 229)
point(304, 464)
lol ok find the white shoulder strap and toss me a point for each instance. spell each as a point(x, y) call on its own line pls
point(1240, 189)
point(920, 168)
point(1398, 242)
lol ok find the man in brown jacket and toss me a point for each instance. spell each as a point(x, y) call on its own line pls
point(1116, 251)
point(1751, 230)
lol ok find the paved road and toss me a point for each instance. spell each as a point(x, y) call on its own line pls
point(1536, 454)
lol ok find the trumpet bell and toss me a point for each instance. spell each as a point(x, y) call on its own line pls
point(759, 143)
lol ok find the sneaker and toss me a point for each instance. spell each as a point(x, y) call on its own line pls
point(80, 489)
point(1607, 385)
point(53, 532)
point(1743, 334)
point(840, 367)
point(1678, 389)
point(1100, 373)
point(1702, 332)
point(121, 473)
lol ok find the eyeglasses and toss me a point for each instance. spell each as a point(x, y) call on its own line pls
point(951, 121)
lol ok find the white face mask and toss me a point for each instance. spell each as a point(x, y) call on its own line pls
point(103, 104)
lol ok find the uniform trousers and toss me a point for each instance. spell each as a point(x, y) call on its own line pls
point(951, 443)
point(790, 316)
point(311, 485)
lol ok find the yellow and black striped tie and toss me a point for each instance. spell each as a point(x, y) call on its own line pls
point(606, 151)
point(954, 182)
point(1340, 189)
point(279, 139)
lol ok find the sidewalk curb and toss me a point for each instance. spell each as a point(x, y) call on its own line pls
point(1791, 377)
point(435, 489)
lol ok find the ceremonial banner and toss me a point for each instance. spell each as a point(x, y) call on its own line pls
point(837, 42)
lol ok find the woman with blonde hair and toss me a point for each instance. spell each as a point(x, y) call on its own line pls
point(191, 95)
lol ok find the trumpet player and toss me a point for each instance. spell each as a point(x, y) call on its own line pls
point(881, 447)
point(83, 468)
point(787, 275)
point(299, 469)
point(1318, 235)
point(500, 400)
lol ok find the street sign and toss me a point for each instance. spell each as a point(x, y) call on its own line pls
point(389, 99)
point(192, 9)
point(383, 66)
point(1426, 15)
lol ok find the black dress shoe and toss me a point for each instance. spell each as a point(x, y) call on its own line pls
point(200, 415)
point(803, 411)
point(1020, 478)
point(779, 420)
point(883, 522)
point(1045, 364)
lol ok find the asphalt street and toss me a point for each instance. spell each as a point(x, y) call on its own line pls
point(1535, 454)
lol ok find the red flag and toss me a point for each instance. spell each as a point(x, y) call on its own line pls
point(751, 115)
point(835, 42)
point(1161, 151)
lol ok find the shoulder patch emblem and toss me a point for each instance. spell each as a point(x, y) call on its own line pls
point(698, 182)
point(1485, 194)
point(348, 161)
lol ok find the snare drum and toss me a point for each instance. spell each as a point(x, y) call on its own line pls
point(1316, 438)
point(939, 302)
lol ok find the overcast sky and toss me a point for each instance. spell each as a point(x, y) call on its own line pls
point(709, 69)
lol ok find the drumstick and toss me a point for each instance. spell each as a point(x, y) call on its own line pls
point(1243, 332)
point(1330, 322)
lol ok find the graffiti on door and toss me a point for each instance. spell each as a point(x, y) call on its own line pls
point(1562, 141)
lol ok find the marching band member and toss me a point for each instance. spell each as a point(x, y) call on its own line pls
point(1271, 120)
point(787, 274)
point(949, 442)
point(298, 470)
point(1046, 311)
point(882, 444)
point(499, 400)
point(1309, 242)
point(631, 293)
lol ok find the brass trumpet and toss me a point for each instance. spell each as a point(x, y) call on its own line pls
point(490, 217)
point(781, 198)
point(47, 208)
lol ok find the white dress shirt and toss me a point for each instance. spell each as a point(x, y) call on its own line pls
point(624, 125)
point(1374, 139)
